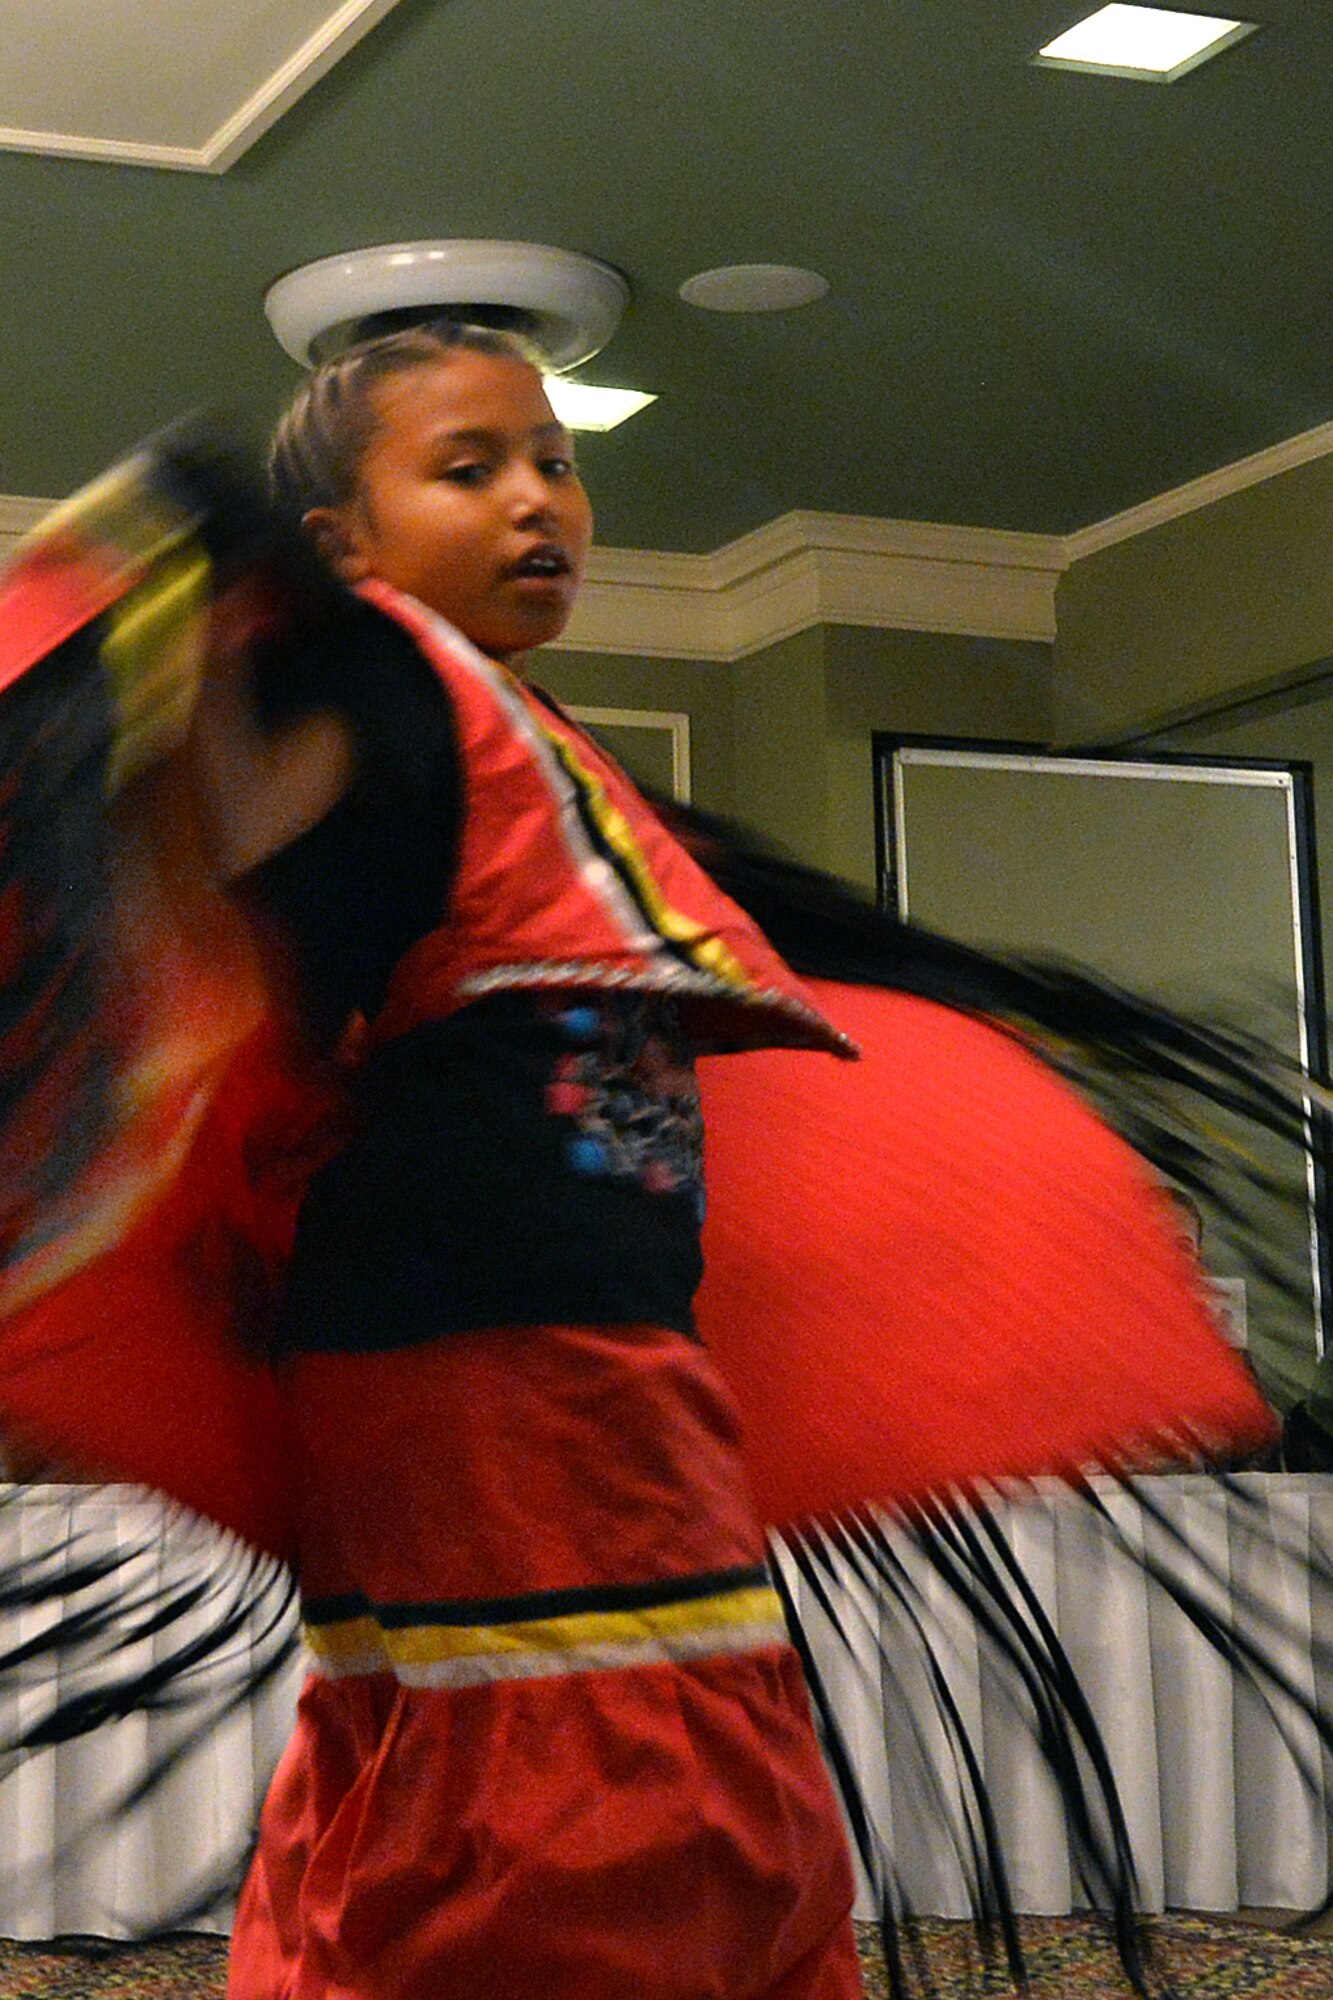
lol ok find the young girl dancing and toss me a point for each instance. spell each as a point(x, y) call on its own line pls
point(555, 1744)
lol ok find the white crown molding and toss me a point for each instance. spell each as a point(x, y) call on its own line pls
point(636, 602)
point(340, 32)
point(801, 570)
point(1302, 449)
point(809, 569)
point(861, 534)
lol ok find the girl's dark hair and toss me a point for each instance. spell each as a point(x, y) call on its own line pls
point(317, 449)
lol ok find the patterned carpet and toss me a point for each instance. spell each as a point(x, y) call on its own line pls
point(1194, 1958)
point(1071, 1958)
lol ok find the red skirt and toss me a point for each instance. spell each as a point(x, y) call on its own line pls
point(556, 1746)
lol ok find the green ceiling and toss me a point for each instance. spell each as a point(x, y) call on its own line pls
point(1052, 295)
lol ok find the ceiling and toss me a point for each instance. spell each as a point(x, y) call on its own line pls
point(1052, 296)
point(211, 82)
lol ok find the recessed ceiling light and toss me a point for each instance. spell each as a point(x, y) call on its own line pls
point(582, 406)
point(1149, 44)
point(753, 288)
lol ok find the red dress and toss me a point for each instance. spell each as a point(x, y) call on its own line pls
point(556, 1744)
point(569, 1755)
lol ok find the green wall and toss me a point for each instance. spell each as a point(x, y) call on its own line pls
point(1230, 600)
point(1212, 635)
point(1295, 728)
point(695, 688)
point(782, 739)
point(780, 729)
point(917, 684)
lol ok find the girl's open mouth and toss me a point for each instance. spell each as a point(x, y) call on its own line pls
point(545, 564)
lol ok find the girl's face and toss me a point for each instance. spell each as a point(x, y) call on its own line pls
point(468, 500)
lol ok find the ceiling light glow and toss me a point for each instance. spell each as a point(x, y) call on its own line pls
point(1150, 44)
point(582, 406)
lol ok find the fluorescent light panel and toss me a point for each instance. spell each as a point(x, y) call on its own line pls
point(1150, 44)
point(581, 406)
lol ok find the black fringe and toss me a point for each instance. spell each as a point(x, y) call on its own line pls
point(963, 1544)
point(1162, 1080)
point(56, 1068)
point(229, 1629)
point(220, 1631)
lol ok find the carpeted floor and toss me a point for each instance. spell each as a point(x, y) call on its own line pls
point(1069, 1958)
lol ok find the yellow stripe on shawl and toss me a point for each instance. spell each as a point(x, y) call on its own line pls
point(704, 946)
point(153, 654)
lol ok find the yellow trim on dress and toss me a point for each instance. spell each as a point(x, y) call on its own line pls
point(457, 1655)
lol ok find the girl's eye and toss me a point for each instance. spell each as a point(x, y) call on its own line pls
point(558, 468)
point(469, 474)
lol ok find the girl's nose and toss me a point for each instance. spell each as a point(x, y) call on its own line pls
point(530, 492)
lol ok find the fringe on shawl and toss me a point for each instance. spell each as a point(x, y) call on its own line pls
point(102, 637)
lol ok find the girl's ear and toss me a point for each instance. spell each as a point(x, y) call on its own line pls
point(338, 542)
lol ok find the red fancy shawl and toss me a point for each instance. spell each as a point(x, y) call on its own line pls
point(931, 1267)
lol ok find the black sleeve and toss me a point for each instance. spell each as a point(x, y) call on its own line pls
point(355, 891)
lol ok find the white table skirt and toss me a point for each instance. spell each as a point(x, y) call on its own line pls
point(131, 1871)
point(1218, 1814)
